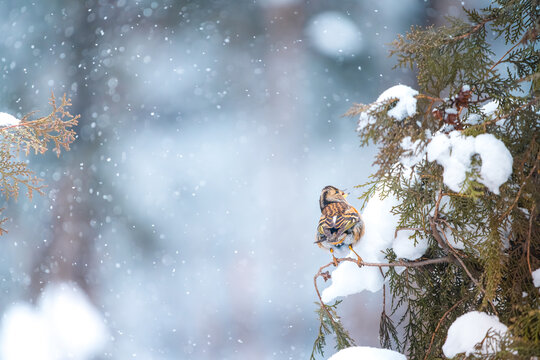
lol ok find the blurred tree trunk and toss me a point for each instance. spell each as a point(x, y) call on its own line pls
point(69, 257)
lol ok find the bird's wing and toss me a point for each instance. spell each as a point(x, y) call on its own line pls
point(339, 218)
point(347, 220)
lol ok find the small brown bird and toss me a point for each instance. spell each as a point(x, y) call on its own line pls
point(340, 226)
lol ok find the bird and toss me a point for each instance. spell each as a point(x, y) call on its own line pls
point(340, 227)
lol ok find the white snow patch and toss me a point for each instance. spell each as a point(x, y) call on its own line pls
point(496, 161)
point(490, 108)
point(468, 330)
point(348, 278)
point(24, 335)
point(366, 352)
point(334, 34)
point(404, 247)
point(404, 107)
point(536, 277)
point(454, 151)
point(64, 325)
point(8, 120)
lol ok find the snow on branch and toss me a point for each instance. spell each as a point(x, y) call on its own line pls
point(405, 105)
point(455, 151)
point(470, 333)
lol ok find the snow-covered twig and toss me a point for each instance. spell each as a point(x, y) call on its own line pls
point(325, 275)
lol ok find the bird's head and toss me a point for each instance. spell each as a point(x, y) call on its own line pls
point(331, 194)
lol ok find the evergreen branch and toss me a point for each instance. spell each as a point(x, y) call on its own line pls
point(474, 29)
point(439, 325)
point(407, 228)
point(455, 256)
point(529, 235)
point(501, 59)
point(492, 121)
point(514, 203)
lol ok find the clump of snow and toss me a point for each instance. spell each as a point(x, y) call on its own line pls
point(334, 34)
point(404, 247)
point(63, 325)
point(496, 161)
point(454, 152)
point(490, 108)
point(404, 107)
point(536, 277)
point(8, 120)
point(406, 104)
point(468, 330)
point(24, 335)
point(366, 352)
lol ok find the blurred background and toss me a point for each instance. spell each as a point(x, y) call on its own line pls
point(181, 224)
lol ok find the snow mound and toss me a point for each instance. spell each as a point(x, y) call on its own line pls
point(468, 330)
point(8, 120)
point(454, 152)
point(404, 107)
point(536, 277)
point(334, 34)
point(366, 352)
point(24, 335)
point(64, 325)
point(490, 108)
point(406, 104)
point(496, 161)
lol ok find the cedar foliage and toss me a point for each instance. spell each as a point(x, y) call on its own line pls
point(457, 74)
point(37, 136)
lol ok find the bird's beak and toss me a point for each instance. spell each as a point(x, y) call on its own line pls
point(345, 195)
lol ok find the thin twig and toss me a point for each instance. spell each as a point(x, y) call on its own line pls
point(433, 99)
point(532, 216)
point(319, 295)
point(407, 264)
point(474, 29)
point(501, 59)
point(436, 234)
point(437, 204)
point(439, 325)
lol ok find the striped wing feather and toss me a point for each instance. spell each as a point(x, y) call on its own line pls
point(336, 219)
